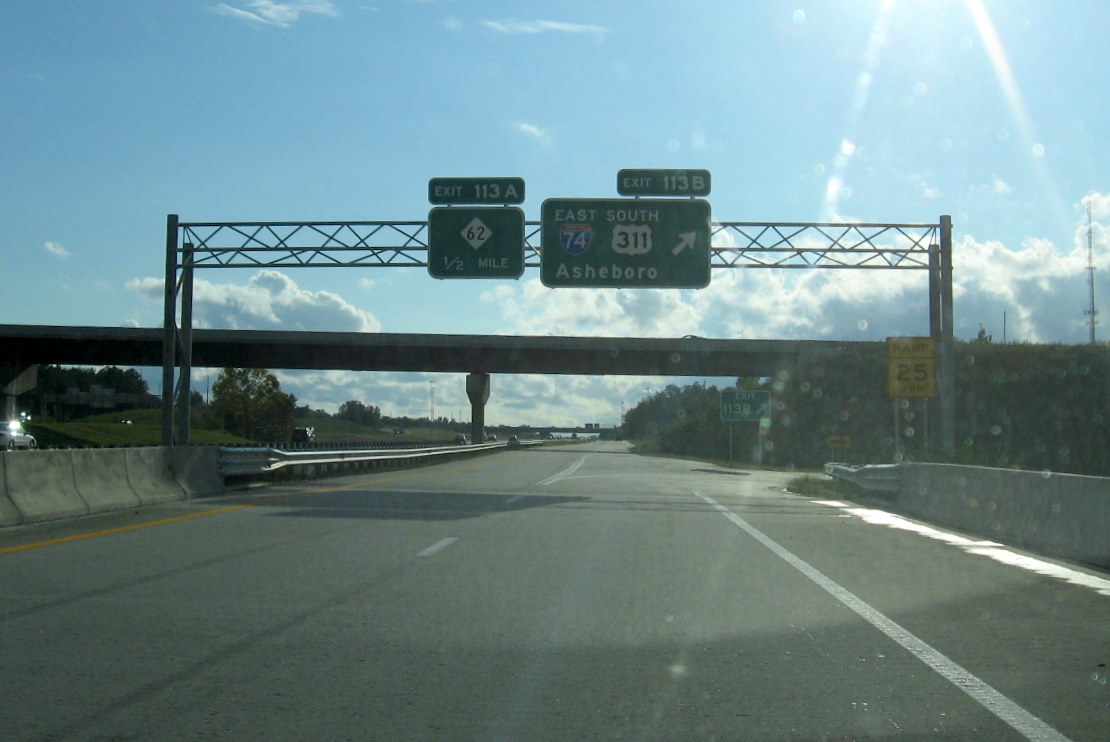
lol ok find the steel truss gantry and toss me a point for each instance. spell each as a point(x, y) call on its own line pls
point(405, 244)
point(192, 246)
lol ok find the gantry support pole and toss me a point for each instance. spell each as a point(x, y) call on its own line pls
point(169, 330)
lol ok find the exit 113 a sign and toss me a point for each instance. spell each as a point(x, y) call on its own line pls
point(447, 191)
point(476, 242)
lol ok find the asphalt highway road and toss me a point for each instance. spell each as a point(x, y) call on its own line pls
point(562, 593)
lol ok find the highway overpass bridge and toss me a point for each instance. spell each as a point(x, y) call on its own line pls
point(23, 346)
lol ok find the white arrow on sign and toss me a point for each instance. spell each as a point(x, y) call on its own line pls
point(686, 240)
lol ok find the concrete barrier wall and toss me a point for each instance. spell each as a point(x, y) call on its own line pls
point(150, 471)
point(9, 513)
point(1062, 515)
point(41, 486)
point(197, 470)
point(100, 476)
point(49, 485)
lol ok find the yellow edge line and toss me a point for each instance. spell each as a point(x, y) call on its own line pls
point(217, 511)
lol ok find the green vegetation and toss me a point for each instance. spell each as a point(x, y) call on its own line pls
point(811, 485)
point(1039, 407)
point(249, 403)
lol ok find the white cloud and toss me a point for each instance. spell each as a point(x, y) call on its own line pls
point(533, 131)
point(451, 23)
point(514, 26)
point(281, 15)
point(270, 300)
point(997, 186)
point(57, 250)
point(537, 310)
point(1100, 204)
point(1040, 287)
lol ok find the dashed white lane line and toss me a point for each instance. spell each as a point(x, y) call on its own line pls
point(1023, 722)
point(438, 546)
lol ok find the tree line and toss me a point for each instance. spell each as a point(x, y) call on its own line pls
point(1037, 407)
point(248, 403)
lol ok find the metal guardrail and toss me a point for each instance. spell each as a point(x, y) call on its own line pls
point(245, 461)
point(873, 477)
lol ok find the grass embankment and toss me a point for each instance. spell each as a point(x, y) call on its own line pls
point(144, 428)
point(127, 428)
point(810, 484)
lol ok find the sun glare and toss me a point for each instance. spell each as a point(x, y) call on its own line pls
point(834, 188)
point(850, 147)
point(996, 53)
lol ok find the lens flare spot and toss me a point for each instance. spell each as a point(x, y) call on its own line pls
point(799, 16)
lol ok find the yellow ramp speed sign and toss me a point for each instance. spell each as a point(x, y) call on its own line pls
point(911, 367)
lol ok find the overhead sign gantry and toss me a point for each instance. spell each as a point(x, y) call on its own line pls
point(659, 238)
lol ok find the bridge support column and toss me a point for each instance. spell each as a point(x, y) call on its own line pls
point(15, 379)
point(477, 389)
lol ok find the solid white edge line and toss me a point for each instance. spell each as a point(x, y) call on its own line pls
point(438, 546)
point(990, 549)
point(1022, 721)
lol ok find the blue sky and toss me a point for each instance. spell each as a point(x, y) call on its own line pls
point(117, 114)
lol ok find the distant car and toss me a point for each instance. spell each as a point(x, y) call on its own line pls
point(303, 435)
point(460, 440)
point(491, 438)
point(13, 436)
point(514, 442)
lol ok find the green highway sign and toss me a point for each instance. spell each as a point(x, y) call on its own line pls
point(476, 242)
point(738, 405)
point(663, 182)
point(625, 243)
point(446, 191)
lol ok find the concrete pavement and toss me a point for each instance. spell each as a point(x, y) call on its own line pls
point(572, 592)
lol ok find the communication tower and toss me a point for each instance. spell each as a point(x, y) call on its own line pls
point(1092, 312)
